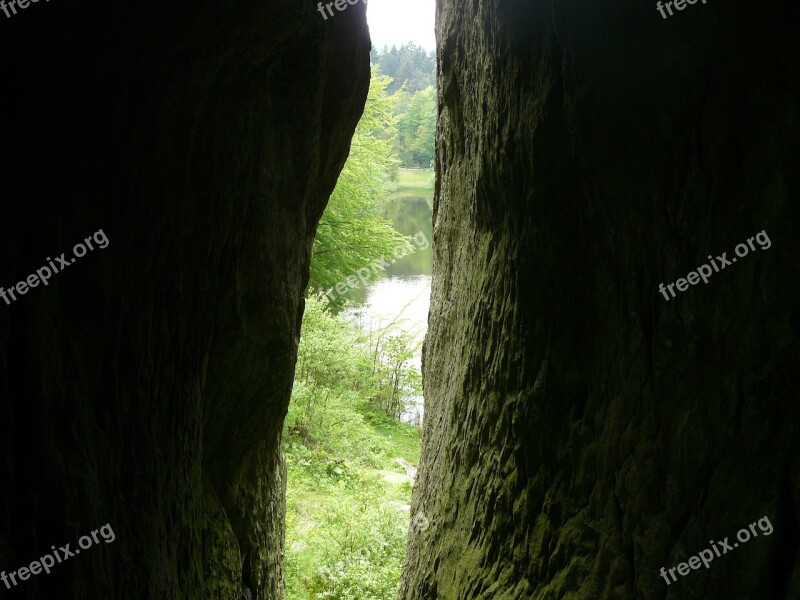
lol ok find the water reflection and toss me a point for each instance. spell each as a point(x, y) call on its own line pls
point(411, 214)
point(402, 298)
point(400, 303)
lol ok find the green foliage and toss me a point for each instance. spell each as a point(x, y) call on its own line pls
point(396, 380)
point(347, 513)
point(413, 80)
point(346, 526)
point(409, 66)
point(337, 360)
point(354, 550)
point(416, 128)
point(352, 233)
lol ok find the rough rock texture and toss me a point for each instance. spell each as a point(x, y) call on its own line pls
point(146, 385)
point(582, 432)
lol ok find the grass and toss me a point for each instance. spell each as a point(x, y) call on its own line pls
point(417, 181)
point(411, 185)
point(346, 523)
point(396, 438)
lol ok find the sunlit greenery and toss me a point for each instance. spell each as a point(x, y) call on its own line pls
point(416, 128)
point(346, 525)
point(413, 80)
point(352, 232)
point(347, 499)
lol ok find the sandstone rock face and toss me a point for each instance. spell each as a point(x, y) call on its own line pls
point(581, 431)
point(146, 385)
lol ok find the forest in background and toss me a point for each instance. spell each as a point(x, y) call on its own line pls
point(413, 83)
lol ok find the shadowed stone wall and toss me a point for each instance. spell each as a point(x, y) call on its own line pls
point(581, 431)
point(146, 385)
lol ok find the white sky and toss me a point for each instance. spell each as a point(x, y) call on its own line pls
point(401, 21)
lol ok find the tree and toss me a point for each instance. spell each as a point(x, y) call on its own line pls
point(352, 233)
point(409, 66)
point(416, 127)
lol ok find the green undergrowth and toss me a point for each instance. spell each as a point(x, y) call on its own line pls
point(346, 524)
point(347, 498)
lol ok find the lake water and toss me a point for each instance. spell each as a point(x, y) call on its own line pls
point(403, 296)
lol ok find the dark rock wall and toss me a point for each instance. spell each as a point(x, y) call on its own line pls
point(581, 431)
point(146, 385)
